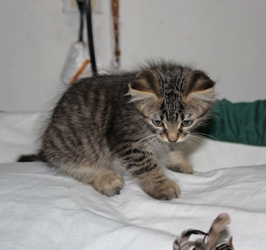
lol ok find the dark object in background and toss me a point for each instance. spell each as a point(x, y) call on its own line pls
point(85, 6)
point(90, 36)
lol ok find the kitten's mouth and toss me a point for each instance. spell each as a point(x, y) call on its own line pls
point(177, 139)
point(173, 141)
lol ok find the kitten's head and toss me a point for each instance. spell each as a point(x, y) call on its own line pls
point(174, 100)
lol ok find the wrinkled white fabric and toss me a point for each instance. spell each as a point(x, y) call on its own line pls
point(40, 209)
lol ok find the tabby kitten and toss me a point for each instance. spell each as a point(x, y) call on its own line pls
point(137, 118)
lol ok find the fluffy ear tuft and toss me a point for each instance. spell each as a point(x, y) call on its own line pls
point(145, 86)
point(199, 86)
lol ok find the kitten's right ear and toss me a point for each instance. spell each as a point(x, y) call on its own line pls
point(145, 87)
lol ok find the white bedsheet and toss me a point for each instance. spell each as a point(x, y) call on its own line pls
point(40, 209)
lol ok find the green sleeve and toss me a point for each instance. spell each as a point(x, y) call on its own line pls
point(238, 122)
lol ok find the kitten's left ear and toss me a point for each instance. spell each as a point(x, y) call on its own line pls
point(199, 86)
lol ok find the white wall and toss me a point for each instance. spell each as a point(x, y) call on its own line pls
point(226, 38)
point(35, 37)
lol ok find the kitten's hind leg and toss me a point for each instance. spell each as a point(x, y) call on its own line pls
point(175, 161)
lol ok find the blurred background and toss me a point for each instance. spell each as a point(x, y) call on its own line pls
point(225, 38)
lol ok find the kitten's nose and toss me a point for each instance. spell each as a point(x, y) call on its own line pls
point(172, 137)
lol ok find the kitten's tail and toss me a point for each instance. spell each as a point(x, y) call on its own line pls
point(31, 157)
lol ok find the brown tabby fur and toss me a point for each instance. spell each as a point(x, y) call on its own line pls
point(137, 118)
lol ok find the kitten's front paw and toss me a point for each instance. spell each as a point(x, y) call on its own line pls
point(166, 190)
point(108, 183)
point(175, 161)
point(183, 167)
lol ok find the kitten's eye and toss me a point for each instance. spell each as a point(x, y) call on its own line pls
point(187, 123)
point(157, 123)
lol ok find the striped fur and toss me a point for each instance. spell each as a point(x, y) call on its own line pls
point(136, 118)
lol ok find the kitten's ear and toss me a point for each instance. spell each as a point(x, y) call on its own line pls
point(145, 86)
point(199, 86)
